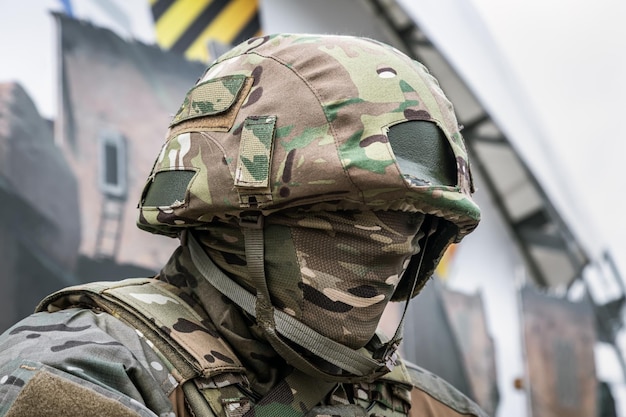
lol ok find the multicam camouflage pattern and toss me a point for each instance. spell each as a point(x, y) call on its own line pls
point(165, 315)
point(313, 114)
point(124, 371)
point(342, 299)
point(81, 348)
point(334, 98)
point(253, 166)
point(332, 101)
point(299, 128)
point(210, 97)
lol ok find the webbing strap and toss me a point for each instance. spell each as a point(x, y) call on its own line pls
point(196, 401)
point(254, 243)
point(413, 270)
point(353, 361)
point(292, 397)
point(298, 393)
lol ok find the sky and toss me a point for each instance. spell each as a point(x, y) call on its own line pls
point(28, 44)
point(570, 58)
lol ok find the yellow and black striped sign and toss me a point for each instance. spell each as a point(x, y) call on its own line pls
point(197, 27)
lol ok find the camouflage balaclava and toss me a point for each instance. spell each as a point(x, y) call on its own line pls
point(339, 156)
point(334, 271)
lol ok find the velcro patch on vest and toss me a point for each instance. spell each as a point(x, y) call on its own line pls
point(51, 392)
point(254, 162)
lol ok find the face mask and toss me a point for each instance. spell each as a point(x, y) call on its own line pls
point(333, 271)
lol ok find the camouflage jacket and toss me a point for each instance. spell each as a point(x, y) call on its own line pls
point(84, 355)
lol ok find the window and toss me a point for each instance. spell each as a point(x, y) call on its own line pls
point(112, 164)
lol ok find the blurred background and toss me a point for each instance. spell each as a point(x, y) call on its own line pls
point(525, 316)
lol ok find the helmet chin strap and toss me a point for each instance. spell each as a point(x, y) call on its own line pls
point(279, 327)
point(413, 270)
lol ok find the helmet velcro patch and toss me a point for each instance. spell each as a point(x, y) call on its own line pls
point(254, 162)
point(167, 188)
point(212, 105)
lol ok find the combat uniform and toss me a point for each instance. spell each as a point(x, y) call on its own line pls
point(311, 180)
point(79, 362)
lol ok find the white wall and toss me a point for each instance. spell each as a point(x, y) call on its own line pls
point(488, 262)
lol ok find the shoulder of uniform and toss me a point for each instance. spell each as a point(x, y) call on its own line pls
point(162, 314)
point(441, 390)
point(83, 354)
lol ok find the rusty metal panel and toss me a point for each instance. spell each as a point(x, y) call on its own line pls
point(446, 333)
point(559, 337)
point(467, 319)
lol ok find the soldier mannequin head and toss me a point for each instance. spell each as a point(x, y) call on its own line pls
point(323, 175)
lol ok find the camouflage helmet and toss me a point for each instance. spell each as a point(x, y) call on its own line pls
point(318, 123)
point(298, 129)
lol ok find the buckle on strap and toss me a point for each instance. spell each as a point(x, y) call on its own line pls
point(252, 220)
point(387, 355)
